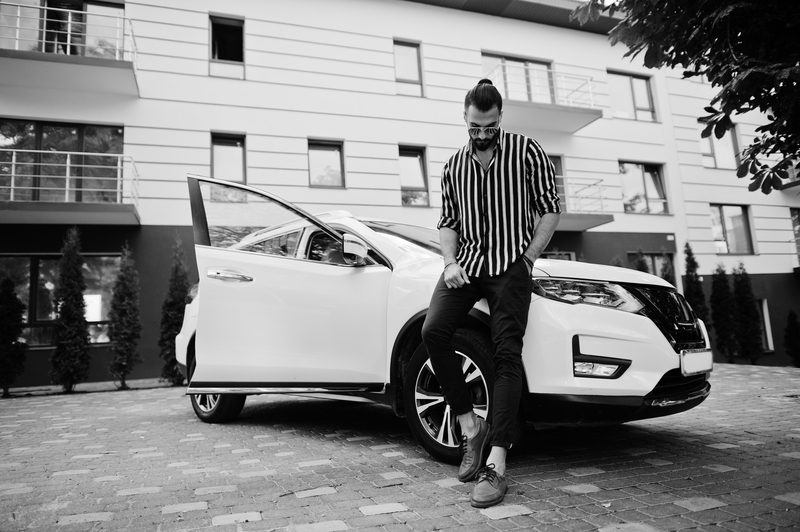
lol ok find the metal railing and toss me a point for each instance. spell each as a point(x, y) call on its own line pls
point(67, 31)
point(67, 177)
point(590, 195)
point(535, 82)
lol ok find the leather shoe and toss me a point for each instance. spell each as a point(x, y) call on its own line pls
point(490, 489)
point(472, 452)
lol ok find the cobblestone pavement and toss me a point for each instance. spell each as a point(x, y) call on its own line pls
point(140, 460)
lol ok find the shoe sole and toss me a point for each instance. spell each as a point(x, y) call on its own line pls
point(479, 461)
point(492, 502)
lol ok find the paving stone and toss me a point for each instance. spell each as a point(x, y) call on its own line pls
point(696, 504)
point(580, 488)
point(387, 508)
point(184, 507)
point(793, 498)
point(230, 519)
point(316, 492)
point(322, 526)
point(504, 511)
point(85, 518)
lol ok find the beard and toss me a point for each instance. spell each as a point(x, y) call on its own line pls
point(485, 144)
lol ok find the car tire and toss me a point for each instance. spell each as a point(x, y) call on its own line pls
point(428, 415)
point(215, 407)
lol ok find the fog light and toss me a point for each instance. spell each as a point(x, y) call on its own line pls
point(591, 369)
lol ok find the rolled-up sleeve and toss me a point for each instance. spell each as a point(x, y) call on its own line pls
point(543, 175)
point(449, 217)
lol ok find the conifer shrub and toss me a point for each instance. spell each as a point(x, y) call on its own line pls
point(693, 287)
point(747, 318)
point(172, 316)
point(124, 327)
point(791, 338)
point(12, 350)
point(722, 303)
point(69, 364)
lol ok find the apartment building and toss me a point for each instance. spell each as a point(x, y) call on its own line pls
point(348, 104)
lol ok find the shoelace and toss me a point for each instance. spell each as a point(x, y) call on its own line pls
point(487, 473)
point(463, 445)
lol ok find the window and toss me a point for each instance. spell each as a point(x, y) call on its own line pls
point(657, 263)
point(558, 165)
point(228, 163)
point(720, 153)
point(35, 280)
point(795, 214)
point(642, 188)
point(631, 97)
point(766, 327)
point(560, 255)
point(407, 71)
point(227, 39)
point(731, 229)
point(42, 161)
point(325, 164)
point(520, 79)
point(413, 177)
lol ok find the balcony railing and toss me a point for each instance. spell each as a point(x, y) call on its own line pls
point(539, 83)
point(66, 31)
point(71, 177)
point(591, 195)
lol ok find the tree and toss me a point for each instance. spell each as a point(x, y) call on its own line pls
point(748, 49)
point(124, 325)
point(69, 364)
point(747, 318)
point(172, 315)
point(640, 263)
point(722, 314)
point(667, 273)
point(617, 261)
point(12, 350)
point(693, 287)
point(791, 338)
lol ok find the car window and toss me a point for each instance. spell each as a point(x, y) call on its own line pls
point(242, 220)
point(323, 248)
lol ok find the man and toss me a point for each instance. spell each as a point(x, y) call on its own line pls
point(490, 190)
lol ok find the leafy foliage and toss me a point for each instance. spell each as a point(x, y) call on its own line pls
point(791, 338)
point(722, 314)
point(124, 327)
point(69, 364)
point(747, 318)
point(667, 272)
point(693, 287)
point(748, 49)
point(12, 351)
point(172, 316)
point(640, 263)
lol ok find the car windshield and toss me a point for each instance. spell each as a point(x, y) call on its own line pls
point(423, 237)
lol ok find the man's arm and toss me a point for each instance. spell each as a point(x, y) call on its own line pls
point(454, 274)
point(542, 235)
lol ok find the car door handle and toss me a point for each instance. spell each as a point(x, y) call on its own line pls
point(228, 276)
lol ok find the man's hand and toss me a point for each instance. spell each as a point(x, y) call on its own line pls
point(455, 276)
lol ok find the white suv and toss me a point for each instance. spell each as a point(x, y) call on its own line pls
point(299, 304)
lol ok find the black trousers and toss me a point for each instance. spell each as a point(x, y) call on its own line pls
point(509, 298)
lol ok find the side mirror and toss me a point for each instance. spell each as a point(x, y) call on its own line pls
point(355, 250)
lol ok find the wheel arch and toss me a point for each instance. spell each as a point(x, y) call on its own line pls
point(409, 337)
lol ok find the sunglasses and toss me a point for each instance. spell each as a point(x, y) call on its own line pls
point(489, 131)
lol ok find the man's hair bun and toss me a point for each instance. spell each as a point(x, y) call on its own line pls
point(485, 81)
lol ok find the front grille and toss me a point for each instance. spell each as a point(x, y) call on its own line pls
point(674, 384)
point(672, 315)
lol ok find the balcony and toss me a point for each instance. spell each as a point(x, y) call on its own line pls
point(63, 49)
point(57, 187)
point(538, 97)
point(586, 203)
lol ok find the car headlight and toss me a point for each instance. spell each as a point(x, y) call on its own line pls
point(574, 291)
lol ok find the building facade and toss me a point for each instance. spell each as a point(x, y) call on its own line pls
point(349, 104)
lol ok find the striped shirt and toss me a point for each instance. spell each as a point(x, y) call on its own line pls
point(493, 211)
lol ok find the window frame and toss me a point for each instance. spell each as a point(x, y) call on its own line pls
point(794, 216)
point(224, 20)
point(326, 144)
point(421, 152)
point(416, 45)
point(527, 61)
point(748, 230)
point(662, 182)
point(229, 139)
point(712, 142)
point(767, 342)
point(636, 108)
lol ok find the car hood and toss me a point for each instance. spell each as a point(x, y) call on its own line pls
point(596, 272)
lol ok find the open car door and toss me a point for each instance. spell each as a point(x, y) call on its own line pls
point(282, 307)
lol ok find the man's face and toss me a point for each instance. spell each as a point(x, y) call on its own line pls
point(477, 121)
